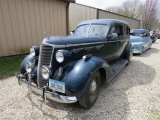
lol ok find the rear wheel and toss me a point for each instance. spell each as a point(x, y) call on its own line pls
point(130, 56)
point(90, 95)
point(128, 53)
point(149, 46)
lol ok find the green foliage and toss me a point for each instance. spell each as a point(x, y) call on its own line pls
point(10, 65)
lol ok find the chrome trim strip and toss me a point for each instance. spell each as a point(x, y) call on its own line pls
point(39, 62)
point(55, 46)
point(70, 45)
point(50, 95)
point(50, 65)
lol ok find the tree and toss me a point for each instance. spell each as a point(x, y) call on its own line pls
point(146, 12)
point(131, 8)
point(128, 8)
point(149, 14)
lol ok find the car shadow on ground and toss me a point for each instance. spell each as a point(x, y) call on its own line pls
point(112, 102)
point(156, 42)
point(147, 52)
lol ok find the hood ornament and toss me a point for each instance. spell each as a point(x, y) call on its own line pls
point(46, 34)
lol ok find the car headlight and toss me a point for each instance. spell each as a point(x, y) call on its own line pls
point(29, 67)
point(34, 51)
point(45, 72)
point(59, 57)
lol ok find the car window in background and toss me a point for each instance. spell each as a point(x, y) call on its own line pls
point(151, 32)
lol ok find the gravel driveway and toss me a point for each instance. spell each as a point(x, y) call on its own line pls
point(134, 94)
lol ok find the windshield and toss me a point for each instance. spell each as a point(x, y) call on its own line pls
point(137, 33)
point(94, 29)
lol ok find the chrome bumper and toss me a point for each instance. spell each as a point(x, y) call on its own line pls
point(136, 51)
point(46, 94)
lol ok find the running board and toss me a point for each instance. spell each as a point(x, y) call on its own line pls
point(118, 66)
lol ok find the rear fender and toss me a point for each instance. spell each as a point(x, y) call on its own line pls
point(127, 50)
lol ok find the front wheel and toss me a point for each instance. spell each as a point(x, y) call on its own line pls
point(90, 95)
point(141, 50)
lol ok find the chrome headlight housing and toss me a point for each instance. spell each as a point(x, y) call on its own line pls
point(29, 67)
point(45, 72)
point(34, 51)
point(59, 56)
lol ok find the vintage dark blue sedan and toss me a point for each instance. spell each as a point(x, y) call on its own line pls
point(71, 68)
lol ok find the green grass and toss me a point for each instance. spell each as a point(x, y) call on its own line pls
point(10, 65)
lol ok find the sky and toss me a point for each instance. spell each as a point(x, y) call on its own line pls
point(102, 4)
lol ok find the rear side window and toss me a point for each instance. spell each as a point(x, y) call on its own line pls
point(116, 31)
point(126, 30)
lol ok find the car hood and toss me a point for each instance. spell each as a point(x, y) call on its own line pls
point(135, 39)
point(136, 43)
point(73, 39)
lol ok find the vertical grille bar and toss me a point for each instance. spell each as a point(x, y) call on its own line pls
point(44, 60)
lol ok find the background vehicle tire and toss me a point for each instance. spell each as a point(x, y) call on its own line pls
point(149, 46)
point(153, 41)
point(142, 50)
point(90, 95)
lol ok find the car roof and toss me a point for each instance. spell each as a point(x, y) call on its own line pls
point(103, 21)
point(139, 29)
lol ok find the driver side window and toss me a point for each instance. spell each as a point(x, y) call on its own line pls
point(116, 31)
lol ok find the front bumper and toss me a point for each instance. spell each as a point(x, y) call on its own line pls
point(136, 51)
point(46, 94)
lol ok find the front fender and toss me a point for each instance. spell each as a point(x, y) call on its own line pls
point(76, 78)
point(29, 58)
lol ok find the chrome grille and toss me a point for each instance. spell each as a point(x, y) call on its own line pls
point(44, 60)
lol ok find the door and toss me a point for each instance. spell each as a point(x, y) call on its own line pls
point(146, 40)
point(115, 42)
point(126, 37)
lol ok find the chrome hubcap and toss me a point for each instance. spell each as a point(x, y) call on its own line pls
point(93, 86)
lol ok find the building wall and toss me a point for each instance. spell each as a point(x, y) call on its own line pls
point(133, 23)
point(23, 23)
point(78, 13)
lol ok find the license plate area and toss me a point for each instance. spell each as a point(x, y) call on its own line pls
point(57, 85)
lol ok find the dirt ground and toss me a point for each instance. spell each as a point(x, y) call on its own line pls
point(134, 94)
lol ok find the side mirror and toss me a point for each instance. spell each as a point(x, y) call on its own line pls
point(72, 32)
